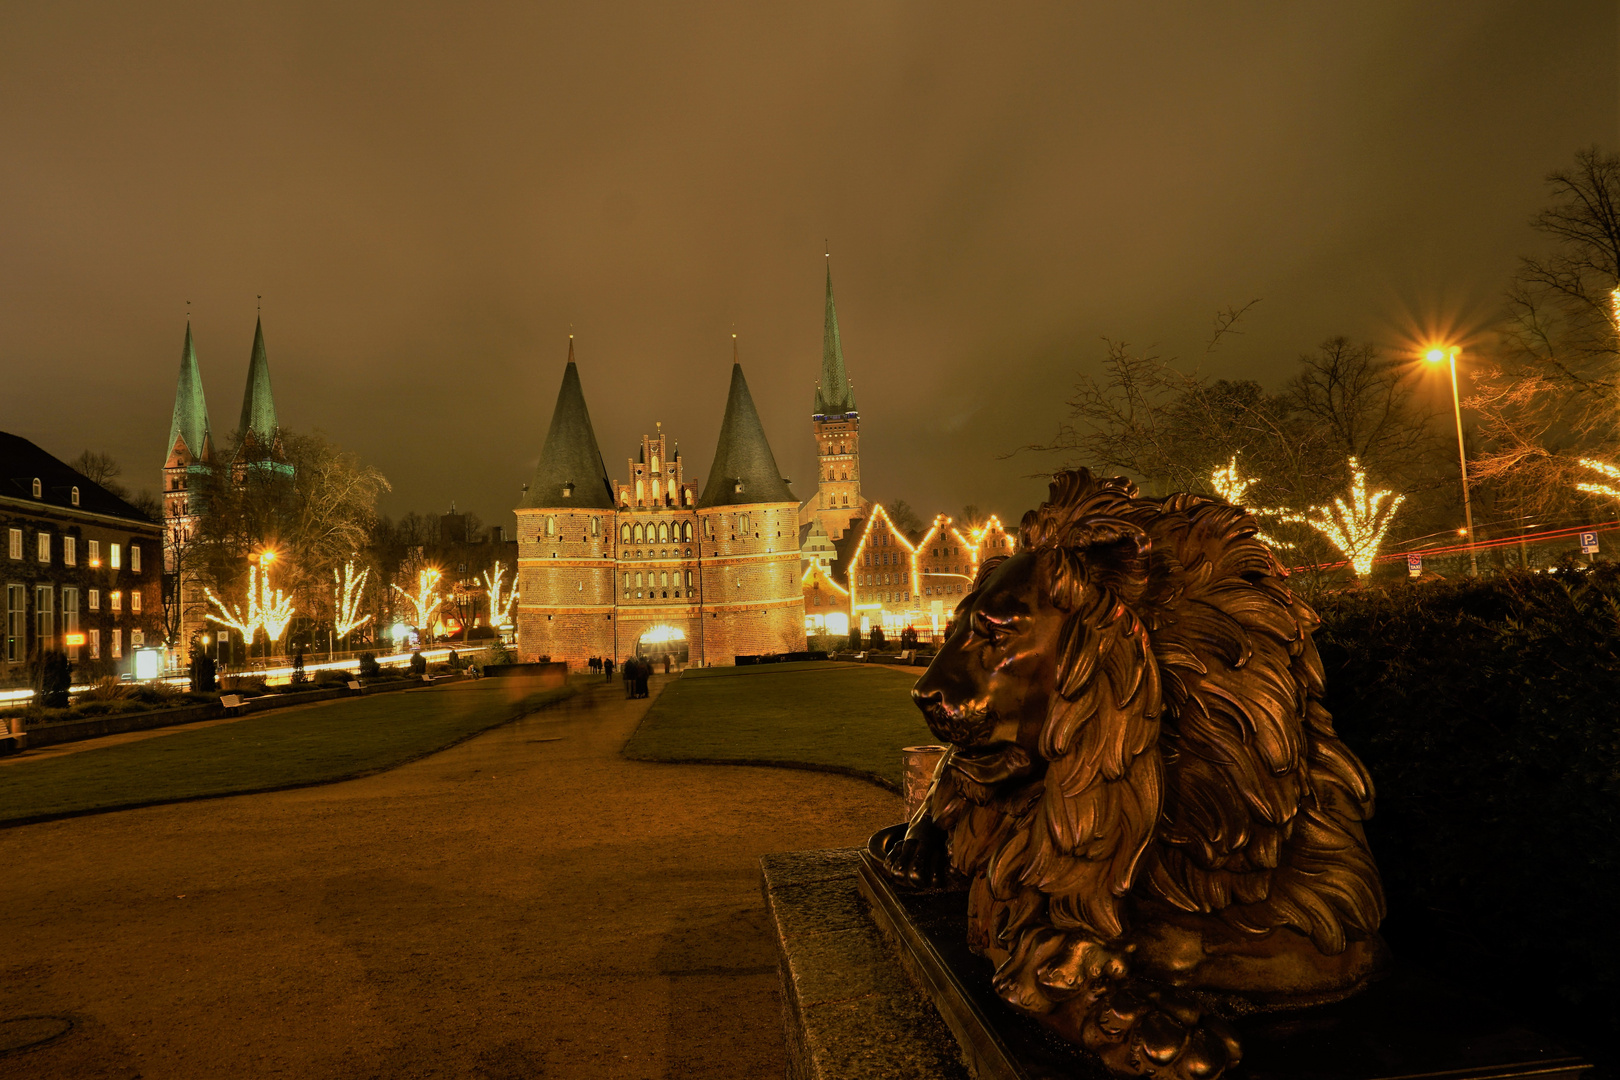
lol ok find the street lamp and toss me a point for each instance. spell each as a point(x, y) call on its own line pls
point(1436, 356)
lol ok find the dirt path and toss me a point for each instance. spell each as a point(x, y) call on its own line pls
point(526, 904)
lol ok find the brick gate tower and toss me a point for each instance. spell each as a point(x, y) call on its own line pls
point(838, 435)
point(565, 606)
point(649, 566)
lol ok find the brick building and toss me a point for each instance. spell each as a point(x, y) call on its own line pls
point(649, 564)
point(80, 568)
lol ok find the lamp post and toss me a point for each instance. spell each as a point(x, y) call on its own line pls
point(1436, 356)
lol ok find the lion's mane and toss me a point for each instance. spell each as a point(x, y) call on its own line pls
point(1188, 757)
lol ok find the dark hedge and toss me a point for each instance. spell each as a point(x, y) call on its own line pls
point(1486, 712)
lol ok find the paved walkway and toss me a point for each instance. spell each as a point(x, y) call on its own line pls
point(526, 904)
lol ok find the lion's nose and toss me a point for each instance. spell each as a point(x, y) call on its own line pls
point(923, 697)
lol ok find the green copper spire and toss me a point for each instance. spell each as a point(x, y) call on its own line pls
point(190, 421)
point(834, 395)
point(571, 472)
point(258, 406)
point(744, 469)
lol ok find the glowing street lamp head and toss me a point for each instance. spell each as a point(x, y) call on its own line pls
point(268, 555)
point(1436, 356)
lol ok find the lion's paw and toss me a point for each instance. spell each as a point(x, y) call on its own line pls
point(1159, 1036)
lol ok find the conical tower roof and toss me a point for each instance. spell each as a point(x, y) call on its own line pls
point(570, 457)
point(744, 469)
point(190, 422)
point(258, 405)
point(834, 395)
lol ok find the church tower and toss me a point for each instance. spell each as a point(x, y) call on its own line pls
point(259, 430)
point(189, 459)
point(838, 434)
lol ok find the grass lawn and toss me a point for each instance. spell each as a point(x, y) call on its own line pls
point(844, 717)
point(279, 749)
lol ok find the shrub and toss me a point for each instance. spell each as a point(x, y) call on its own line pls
point(107, 688)
point(1485, 712)
point(298, 675)
point(501, 653)
point(369, 666)
point(855, 637)
point(52, 679)
point(876, 640)
point(157, 694)
point(454, 662)
point(418, 663)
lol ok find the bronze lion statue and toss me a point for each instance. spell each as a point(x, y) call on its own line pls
point(1156, 824)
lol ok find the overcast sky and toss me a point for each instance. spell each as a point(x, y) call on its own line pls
point(429, 198)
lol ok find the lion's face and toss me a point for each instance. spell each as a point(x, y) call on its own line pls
point(993, 680)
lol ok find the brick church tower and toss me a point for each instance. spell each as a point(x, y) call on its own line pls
point(190, 458)
point(565, 606)
point(838, 435)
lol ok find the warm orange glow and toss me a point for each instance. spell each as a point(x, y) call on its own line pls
point(76, 639)
point(1435, 356)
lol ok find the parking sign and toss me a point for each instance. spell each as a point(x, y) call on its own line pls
point(1589, 543)
point(1414, 565)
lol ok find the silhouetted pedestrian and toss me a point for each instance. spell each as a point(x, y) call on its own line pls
point(607, 667)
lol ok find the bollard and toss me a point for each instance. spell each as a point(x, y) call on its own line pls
point(919, 763)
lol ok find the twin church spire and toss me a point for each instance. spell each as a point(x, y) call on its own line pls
point(190, 433)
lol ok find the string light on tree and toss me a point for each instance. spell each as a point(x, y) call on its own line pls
point(348, 590)
point(425, 604)
point(275, 608)
point(1229, 484)
point(1356, 527)
point(500, 611)
point(1606, 470)
point(245, 623)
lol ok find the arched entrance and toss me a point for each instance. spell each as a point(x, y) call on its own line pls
point(663, 640)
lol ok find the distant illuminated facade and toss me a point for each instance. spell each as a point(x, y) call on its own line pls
point(650, 564)
point(837, 425)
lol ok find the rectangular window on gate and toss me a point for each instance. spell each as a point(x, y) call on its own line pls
point(45, 615)
point(16, 622)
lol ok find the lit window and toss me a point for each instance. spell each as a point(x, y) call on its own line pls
point(70, 551)
point(551, 526)
point(115, 600)
point(38, 490)
point(95, 552)
point(135, 601)
point(95, 644)
point(74, 495)
point(95, 599)
point(115, 555)
point(596, 526)
point(16, 543)
point(134, 559)
point(45, 547)
point(117, 643)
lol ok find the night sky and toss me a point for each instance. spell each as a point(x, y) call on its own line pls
point(430, 198)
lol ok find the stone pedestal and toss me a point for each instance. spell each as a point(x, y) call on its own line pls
point(880, 983)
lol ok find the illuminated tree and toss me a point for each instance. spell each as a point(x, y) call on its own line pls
point(500, 611)
point(1229, 484)
point(1609, 471)
point(1357, 526)
point(347, 593)
point(425, 602)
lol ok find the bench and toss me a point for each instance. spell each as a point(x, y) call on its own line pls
point(232, 701)
point(354, 685)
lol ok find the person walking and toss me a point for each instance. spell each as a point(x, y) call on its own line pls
point(643, 673)
point(629, 669)
point(666, 663)
point(607, 668)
